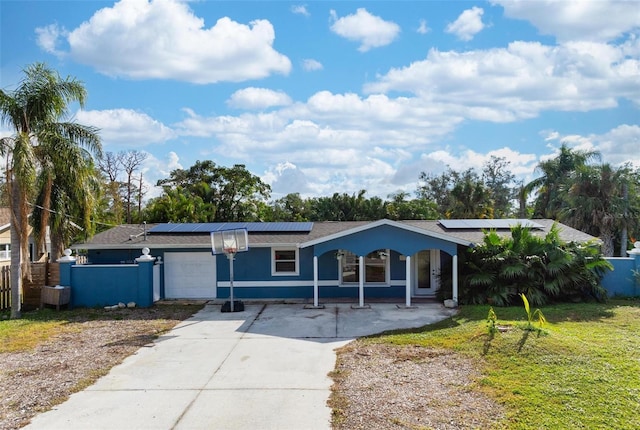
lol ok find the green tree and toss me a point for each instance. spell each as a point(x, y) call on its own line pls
point(553, 183)
point(36, 111)
point(177, 205)
point(467, 194)
point(347, 207)
point(597, 204)
point(470, 198)
point(220, 194)
point(291, 207)
point(68, 190)
point(400, 207)
point(499, 182)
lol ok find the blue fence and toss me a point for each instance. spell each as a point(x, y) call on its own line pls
point(621, 281)
point(110, 284)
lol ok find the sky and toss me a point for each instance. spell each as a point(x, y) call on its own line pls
point(320, 97)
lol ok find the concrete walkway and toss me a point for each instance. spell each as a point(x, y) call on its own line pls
point(264, 368)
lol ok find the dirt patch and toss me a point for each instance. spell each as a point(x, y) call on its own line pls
point(380, 386)
point(93, 342)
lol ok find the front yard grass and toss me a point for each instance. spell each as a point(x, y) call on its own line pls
point(36, 327)
point(582, 371)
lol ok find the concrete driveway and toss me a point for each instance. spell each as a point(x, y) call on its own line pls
point(264, 368)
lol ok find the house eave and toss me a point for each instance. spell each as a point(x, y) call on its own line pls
point(388, 222)
point(140, 245)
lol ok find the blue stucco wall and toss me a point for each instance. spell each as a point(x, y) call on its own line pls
point(95, 285)
point(620, 281)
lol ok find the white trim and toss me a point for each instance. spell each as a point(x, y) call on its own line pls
point(389, 223)
point(274, 272)
point(435, 269)
point(361, 274)
point(454, 280)
point(408, 281)
point(104, 265)
point(316, 292)
point(303, 283)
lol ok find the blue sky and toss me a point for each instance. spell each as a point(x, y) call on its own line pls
point(320, 97)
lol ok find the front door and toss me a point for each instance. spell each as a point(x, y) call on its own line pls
point(426, 270)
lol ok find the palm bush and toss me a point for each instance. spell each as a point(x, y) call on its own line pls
point(545, 269)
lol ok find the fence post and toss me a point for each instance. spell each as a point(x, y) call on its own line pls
point(65, 270)
point(635, 254)
point(145, 278)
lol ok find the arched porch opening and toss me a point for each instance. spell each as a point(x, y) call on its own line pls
point(403, 243)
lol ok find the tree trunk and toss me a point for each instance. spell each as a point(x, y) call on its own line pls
point(624, 238)
point(16, 254)
point(608, 247)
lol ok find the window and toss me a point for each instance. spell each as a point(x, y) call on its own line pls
point(375, 267)
point(284, 261)
point(5, 252)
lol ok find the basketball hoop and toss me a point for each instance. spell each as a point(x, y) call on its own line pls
point(229, 243)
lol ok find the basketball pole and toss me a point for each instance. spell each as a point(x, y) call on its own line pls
point(230, 257)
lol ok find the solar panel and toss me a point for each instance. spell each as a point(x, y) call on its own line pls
point(252, 227)
point(478, 224)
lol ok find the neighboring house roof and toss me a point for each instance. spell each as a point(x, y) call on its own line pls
point(134, 236)
point(5, 218)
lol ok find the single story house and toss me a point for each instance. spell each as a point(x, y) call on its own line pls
point(5, 240)
point(305, 260)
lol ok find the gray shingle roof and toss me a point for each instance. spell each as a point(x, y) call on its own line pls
point(132, 236)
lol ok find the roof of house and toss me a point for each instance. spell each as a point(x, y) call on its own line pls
point(5, 218)
point(134, 236)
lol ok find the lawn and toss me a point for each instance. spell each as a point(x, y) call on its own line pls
point(38, 326)
point(581, 371)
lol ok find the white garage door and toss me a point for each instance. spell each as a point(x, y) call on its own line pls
point(189, 275)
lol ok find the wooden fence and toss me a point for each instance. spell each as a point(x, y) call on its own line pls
point(41, 274)
point(5, 288)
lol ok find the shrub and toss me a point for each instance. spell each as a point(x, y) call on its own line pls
point(545, 269)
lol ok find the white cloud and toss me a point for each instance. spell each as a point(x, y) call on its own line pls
point(48, 38)
point(165, 40)
point(300, 10)
point(617, 146)
point(521, 165)
point(155, 169)
point(311, 65)
point(173, 162)
point(324, 135)
point(258, 98)
point(286, 178)
point(369, 30)
point(468, 24)
point(520, 81)
point(601, 20)
point(125, 127)
point(423, 28)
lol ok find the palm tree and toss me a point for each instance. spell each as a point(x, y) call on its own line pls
point(35, 110)
point(471, 199)
point(551, 185)
point(64, 194)
point(597, 204)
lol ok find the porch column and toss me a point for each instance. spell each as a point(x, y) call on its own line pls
point(361, 285)
point(455, 279)
point(315, 281)
point(407, 301)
